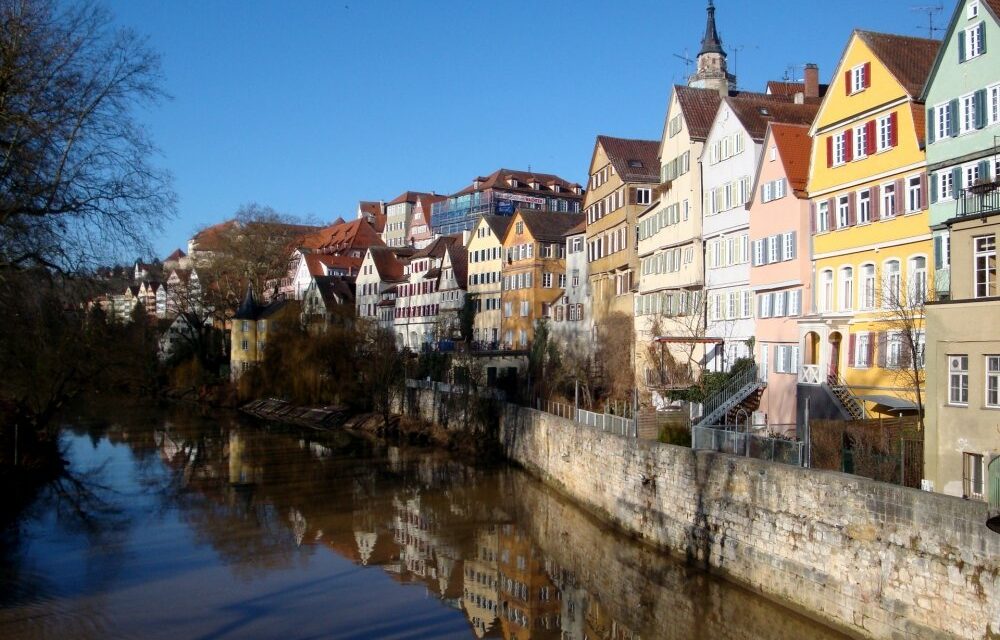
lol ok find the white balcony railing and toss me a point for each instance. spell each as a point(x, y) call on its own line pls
point(809, 374)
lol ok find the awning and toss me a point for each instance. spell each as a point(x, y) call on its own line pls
point(891, 402)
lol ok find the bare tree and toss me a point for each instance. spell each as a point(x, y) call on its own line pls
point(77, 185)
point(901, 342)
point(680, 364)
point(614, 347)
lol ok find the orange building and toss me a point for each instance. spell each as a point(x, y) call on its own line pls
point(534, 271)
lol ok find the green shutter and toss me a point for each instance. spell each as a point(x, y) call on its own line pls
point(938, 252)
point(932, 178)
point(982, 37)
point(984, 171)
point(930, 126)
point(980, 102)
point(953, 116)
point(961, 46)
point(956, 185)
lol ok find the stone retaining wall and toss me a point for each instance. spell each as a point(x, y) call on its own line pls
point(880, 560)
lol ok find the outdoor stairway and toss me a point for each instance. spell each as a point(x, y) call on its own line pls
point(741, 387)
point(854, 407)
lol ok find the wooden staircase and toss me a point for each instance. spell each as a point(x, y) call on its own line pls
point(851, 404)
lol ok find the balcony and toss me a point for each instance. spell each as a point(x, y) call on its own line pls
point(810, 374)
point(978, 200)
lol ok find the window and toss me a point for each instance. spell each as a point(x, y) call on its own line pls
point(822, 217)
point(886, 132)
point(508, 311)
point(913, 194)
point(772, 249)
point(893, 350)
point(519, 228)
point(958, 379)
point(862, 350)
point(967, 122)
point(861, 141)
point(970, 175)
point(972, 10)
point(918, 280)
point(993, 110)
point(843, 212)
point(890, 295)
point(788, 246)
point(858, 78)
point(972, 475)
point(840, 148)
point(888, 200)
point(867, 301)
point(245, 326)
point(643, 196)
point(864, 206)
point(942, 121)
point(973, 42)
point(525, 308)
point(985, 266)
point(826, 290)
point(946, 185)
point(245, 344)
point(547, 280)
point(562, 280)
point(786, 359)
point(846, 288)
point(993, 382)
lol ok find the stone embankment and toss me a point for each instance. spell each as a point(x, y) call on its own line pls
point(878, 560)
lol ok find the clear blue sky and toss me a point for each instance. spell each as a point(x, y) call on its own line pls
point(310, 106)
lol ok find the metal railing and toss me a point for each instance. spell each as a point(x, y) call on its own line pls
point(993, 482)
point(980, 199)
point(732, 394)
point(854, 406)
point(741, 443)
point(606, 422)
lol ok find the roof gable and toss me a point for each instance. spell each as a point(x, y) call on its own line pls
point(992, 8)
point(545, 226)
point(633, 160)
point(698, 107)
point(794, 151)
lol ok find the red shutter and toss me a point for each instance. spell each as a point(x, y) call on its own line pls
point(870, 133)
point(900, 197)
point(875, 202)
point(829, 152)
point(868, 74)
point(852, 209)
point(893, 130)
point(848, 145)
point(923, 191)
point(871, 350)
point(847, 82)
point(830, 204)
point(853, 344)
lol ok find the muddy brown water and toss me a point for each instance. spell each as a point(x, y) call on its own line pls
point(174, 525)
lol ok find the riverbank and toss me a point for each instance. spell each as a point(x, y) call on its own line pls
point(878, 560)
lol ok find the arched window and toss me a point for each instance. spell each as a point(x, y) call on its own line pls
point(867, 286)
point(846, 289)
point(826, 290)
point(891, 293)
point(918, 280)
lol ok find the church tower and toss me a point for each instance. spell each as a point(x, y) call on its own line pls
point(712, 72)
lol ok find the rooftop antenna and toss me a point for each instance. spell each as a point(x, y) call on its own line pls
point(930, 10)
point(688, 61)
point(736, 55)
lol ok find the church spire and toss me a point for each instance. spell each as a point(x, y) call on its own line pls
point(711, 43)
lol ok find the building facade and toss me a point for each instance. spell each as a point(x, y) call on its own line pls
point(399, 218)
point(485, 252)
point(571, 318)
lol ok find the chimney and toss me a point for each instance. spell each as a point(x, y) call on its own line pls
point(799, 97)
point(812, 80)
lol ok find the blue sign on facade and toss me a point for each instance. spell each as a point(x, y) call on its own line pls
point(505, 207)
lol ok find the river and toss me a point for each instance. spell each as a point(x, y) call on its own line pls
point(178, 525)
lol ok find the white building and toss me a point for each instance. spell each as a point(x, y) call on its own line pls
point(571, 317)
point(417, 298)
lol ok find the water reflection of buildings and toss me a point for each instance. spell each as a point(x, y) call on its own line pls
point(529, 601)
point(481, 593)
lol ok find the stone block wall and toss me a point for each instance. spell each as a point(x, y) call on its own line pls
point(880, 560)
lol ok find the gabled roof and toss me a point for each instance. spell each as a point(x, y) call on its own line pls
point(579, 229)
point(795, 151)
point(499, 180)
point(498, 224)
point(371, 207)
point(907, 58)
point(317, 263)
point(458, 255)
point(437, 248)
point(633, 160)
point(335, 290)
point(409, 196)
point(356, 234)
point(789, 89)
point(547, 226)
point(993, 6)
point(699, 107)
point(176, 255)
point(756, 110)
point(387, 264)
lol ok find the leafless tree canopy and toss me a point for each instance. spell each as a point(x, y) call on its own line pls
point(76, 181)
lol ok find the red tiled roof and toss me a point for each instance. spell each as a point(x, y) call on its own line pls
point(371, 207)
point(211, 238)
point(795, 148)
point(176, 255)
point(789, 89)
point(547, 226)
point(318, 262)
point(755, 111)
point(499, 180)
point(498, 224)
point(908, 59)
point(578, 229)
point(388, 265)
point(633, 160)
point(459, 257)
point(995, 6)
point(437, 248)
point(356, 234)
point(409, 196)
point(699, 107)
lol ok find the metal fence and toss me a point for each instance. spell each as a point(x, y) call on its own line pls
point(741, 443)
point(993, 478)
point(604, 421)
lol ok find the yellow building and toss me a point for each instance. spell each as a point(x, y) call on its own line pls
point(252, 327)
point(485, 266)
point(871, 237)
point(534, 271)
point(623, 174)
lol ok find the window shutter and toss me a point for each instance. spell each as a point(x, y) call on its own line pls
point(982, 37)
point(871, 351)
point(980, 102)
point(795, 246)
point(881, 349)
point(852, 209)
point(934, 190)
point(849, 145)
point(956, 176)
point(829, 151)
point(905, 353)
point(893, 129)
point(938, 252)
point(868, 74)
point(875, 202)
point(847, 82)
point(961, 46)
point(984, 171)
point(852, 347)
point(900, 197)
point(930, 126)
point(812, 218)
point(953, 118)
point(871, 145)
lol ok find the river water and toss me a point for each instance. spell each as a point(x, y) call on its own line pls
point(173, 525)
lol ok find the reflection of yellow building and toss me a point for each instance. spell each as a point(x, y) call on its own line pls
point(480, 593)
point(534, 271)
point(871, 240)
point(530, 606)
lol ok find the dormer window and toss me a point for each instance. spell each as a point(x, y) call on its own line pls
point(972, 11)
point(534, 185)
point(513, 183)
point(556, 188)
point(635, 164)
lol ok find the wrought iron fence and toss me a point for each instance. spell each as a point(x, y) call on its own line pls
point(741, 443)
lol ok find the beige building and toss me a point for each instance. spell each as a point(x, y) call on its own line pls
point(623, 174)
point(963, 356)
point(484, 272)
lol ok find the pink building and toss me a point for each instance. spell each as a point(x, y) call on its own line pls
point(781, 268)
